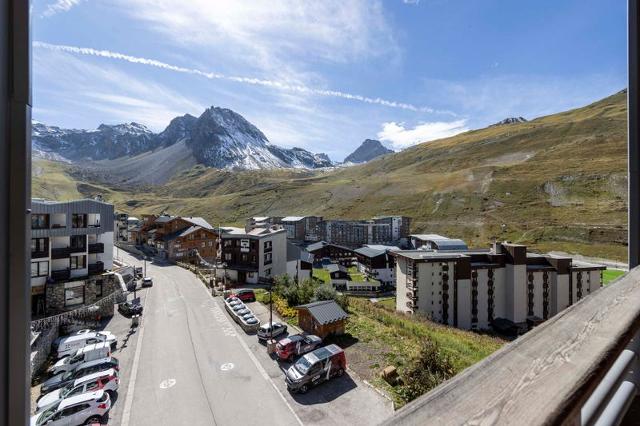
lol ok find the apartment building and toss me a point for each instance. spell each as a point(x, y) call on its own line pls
point(400, 226)
point(301, 228)
point(470, 289)
point(254, 255)
point(356, 233)
point(71, 247)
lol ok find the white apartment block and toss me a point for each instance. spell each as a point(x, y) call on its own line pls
point(469, 289)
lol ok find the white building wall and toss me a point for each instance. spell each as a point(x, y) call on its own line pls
point(483, 298)
point(106, 257)
point(401, 288)
point(464, 304)
point(559, 293)
point(499, 293)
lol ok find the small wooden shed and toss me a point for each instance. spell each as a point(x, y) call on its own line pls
point(322, 318)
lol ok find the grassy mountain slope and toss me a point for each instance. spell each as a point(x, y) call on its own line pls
point(555, 182)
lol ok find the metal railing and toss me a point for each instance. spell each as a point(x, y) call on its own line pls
point(579, 367)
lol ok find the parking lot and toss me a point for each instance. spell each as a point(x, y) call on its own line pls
point(341, 400)
point(189, 363)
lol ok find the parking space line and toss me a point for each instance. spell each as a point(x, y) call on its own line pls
point(255, 361)
point(126, 412)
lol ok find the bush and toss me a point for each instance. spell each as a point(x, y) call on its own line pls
point(430, 368)
point(325, 292)
point(294, 293)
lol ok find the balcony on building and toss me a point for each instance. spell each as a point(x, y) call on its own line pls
point(93, 220)
point(61, 275)
point(96, 247)
point(96, 268)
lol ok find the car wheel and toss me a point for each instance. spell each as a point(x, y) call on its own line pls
point(93, 419)
point(304, 389)
point(340, 372)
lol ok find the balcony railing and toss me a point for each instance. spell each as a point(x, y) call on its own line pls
point(61, 275)
point(96, 248)
point(40, 253)
point(96, 268)
point(64, 252)
point(576, 368)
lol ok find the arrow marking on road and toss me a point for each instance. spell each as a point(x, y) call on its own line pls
point(227, 366)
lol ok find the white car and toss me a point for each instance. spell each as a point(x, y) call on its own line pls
point(265, 331)
point(147, 282)
point(106, 380)
point(78, 410)
point(85, 354)
point(69, 345)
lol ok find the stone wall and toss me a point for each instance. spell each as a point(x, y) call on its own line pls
point(41, 347)
point(55, 294)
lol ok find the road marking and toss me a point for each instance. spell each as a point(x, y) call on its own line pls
point(257, 363)
point(227, 366)
point(126, 413)
point(167, 383)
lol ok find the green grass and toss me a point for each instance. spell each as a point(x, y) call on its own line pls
point(388, 303)
point(611, 274)
point(383, 337)
point(322, 274)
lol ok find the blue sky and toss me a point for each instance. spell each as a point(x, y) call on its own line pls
point(325, 75)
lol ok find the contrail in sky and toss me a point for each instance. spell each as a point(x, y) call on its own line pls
point(275, 84)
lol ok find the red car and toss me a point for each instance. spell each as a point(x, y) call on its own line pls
point(245, 295)
point(298, 344)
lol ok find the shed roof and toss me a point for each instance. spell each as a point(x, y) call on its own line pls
point(293, 218)
point(370, 252)
point(325, 311)
point(333, 267)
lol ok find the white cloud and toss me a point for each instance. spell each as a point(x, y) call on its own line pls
point(91, 91)
point(60, 6)
point(401, 137)
point(279, 85)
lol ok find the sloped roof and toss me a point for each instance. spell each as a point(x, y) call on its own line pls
point(325, 311)
point(197, 221)
point(293, 218)
point(296, 253)
point(316, 246)
point(164, 219)
point(370, 252)
point(333, 267)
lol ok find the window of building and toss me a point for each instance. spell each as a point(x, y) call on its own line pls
point(267, 272)
point(78, 241)
point(39, 245)
point(78, 220)
point(204, 244)
point(268, 245)
point(39, 221)
point(267, 258)
point(73, 294)
point(78, 262)
point(227, 256)
point(99, 288)
point(244, 257)
point(39, 269)
point(227, 243)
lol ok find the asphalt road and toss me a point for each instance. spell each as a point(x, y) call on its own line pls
point(194, 366)
point(190, 366)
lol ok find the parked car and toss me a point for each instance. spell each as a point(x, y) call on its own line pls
point(84, 369)
point(246, 295)
point(238, 307)
point(71, 344)
point(298, 344)
point(82, 409)
point(106, 380)
point(147, 282)
point(88, 353)
point(138, 271)
point(316, 367)
point(129, 308)
point(271, 329)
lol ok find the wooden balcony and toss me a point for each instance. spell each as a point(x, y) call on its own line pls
point(576, 368)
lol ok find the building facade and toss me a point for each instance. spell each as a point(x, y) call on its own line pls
point(301, 228)
point(377, 264)
point(254, 255)
point(71, 247)
point(356, 233)
point(470, 289)
point(183, 244)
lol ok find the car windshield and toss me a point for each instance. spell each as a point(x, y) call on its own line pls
point(64, 391)
point(47, 414)
point(303, 365)
point(68, 375)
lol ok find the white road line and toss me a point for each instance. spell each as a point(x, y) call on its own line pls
point(257, 363)
point(126, 413)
